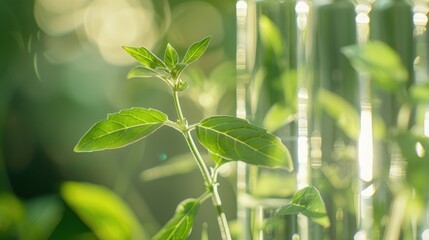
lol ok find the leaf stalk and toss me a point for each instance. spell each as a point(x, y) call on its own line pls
point(209, 180)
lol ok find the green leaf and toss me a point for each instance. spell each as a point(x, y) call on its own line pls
point(196, 50)
point(218, 160)
point(270, 36)
point(141, 72)
point(380, 61)
point(307, 201)
point(277, 116)
point(121, 129)
point(420, 93)
point(145, 57)
point(236, 139)
point(170, 57)
point(12, 212)
point(177, 70)
point(415, 148)
point(102, 210)
point(344, 114)
point(43, 216)
point(180, 226)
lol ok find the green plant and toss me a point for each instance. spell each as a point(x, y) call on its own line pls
point(226, 138)
point(402, 127)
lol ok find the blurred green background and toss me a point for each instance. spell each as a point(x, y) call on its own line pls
point(62, 69)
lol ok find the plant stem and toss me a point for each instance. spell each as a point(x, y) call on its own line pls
point(210, 181)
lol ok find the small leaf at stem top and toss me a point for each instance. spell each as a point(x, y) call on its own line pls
point(307, 201)
point(196, 50)
point(170, 57)
point(235, 139)
point(180, 226)
point(145, 57)
point(121, 129)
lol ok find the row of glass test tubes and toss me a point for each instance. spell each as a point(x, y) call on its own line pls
point(289, 63)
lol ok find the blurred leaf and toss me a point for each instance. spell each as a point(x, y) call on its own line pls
point(180, 226)
point(121, 129)
point(43, 216)
point(380, 61)
point(141, 72)
point(178, 165)
point(420, 93)
point(12, 212)
point(289, 80)
point(307, 201)
point(145, 57)
point(270, 35)
point(344, 114)
point(236, 139)
point(196, 50)
point(415, 149)
point(102, 210)
point(170, 57)
point(278, 116)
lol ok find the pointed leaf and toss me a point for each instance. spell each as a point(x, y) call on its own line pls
point(236, 139)
point(177, 70)
point(170, 57)
point(307, 201)
point(380, 61)
point(102, 210)
point(121, 129)
point(196, 50)
point(145, 57)
point(180, 226)
point(141, 72)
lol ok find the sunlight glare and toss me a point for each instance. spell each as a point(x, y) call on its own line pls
point(366, 146)
point(59, 17)
point(111, 24)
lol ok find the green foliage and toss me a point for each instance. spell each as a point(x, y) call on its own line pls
point(226, 138)
point(236, 139)
point(102, 210)
point(415, 148)
point(344, 114)
point(121, 129)
point(196, 50)
point(145, 57)
point(307, 201)
point(31, 220)
point(380, 61)
point(171, 57)
point(180, 226)
point(42, 216)
point(270, 35)
point(384, 66)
